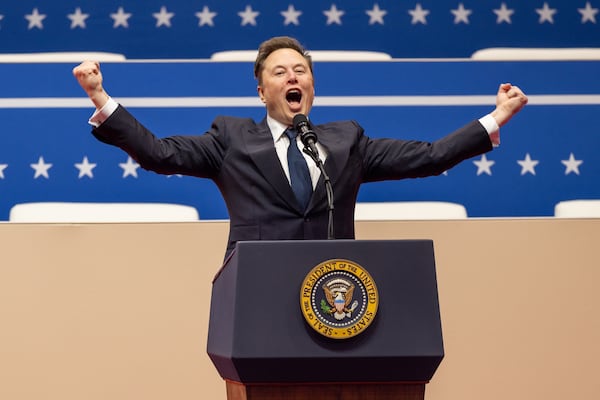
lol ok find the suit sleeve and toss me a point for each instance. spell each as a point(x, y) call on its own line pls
point(197, 155)
point(386, 159)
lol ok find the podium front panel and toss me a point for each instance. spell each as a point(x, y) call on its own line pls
point(257, 332)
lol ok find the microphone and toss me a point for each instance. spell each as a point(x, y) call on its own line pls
point(309, 139)
point(307, 135)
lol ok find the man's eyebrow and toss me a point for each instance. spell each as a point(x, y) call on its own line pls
point(293, 66)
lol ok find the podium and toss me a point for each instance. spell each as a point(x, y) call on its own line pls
point(264, 346)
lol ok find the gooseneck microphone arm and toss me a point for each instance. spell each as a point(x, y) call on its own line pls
point(328, 189)
point(309, 139)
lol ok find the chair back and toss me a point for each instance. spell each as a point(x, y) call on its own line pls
point(409, 210)
point(102, 212)
point(577, 209)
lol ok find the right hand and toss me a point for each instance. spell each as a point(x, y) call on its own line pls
point(90, 79)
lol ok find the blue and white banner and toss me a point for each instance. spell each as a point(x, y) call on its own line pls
point(548, 151)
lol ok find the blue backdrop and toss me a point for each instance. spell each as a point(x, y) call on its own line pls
point(548, 151)
point(196, 29)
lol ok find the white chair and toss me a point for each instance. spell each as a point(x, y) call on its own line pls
point(536, 54)
point(409, 210)
point(70, 212)
point(577, 209)
point(60, 57)
point(317, 55)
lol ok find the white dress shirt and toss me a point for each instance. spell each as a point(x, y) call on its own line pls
point(281, 141)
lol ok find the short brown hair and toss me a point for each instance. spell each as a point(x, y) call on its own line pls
point(280, 42)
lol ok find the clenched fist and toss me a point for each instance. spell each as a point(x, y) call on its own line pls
point(509, 101)
point(90, 79)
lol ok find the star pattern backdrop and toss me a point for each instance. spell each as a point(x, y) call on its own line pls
point(196, 29)
point(547, 152)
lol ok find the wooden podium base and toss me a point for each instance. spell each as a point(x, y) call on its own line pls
point(326, 391)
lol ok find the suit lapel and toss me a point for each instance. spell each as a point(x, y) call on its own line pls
point(261, 150)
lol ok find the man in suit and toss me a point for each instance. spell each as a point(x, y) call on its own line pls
point(249, 161)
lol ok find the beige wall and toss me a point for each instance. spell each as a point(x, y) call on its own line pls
point(120, 311)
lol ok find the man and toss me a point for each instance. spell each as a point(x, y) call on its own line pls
point(249, 161)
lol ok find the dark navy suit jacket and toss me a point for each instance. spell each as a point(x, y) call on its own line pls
point(238, 154)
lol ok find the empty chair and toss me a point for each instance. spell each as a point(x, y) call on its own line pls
point(577, 209)
point(409, 210)
point(537, 54)
point(317, 55)
point(60, 57)
point(102, 212)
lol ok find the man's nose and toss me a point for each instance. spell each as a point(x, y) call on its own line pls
point(292, 78)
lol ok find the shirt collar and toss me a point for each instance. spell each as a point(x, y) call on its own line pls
point(276, 128)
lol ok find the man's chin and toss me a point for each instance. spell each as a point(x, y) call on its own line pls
point(295, 109)
point(299, 110)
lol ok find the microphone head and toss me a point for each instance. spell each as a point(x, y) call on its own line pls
point(302, 126)
point(300, 121)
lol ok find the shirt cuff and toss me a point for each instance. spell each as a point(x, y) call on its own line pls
point(102, 114)
point(492, 128)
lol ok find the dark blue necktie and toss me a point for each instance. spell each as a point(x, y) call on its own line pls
point(299, 175)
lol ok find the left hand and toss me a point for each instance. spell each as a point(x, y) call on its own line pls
point(509, 101)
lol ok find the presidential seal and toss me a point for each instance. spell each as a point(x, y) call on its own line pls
point(339, 299)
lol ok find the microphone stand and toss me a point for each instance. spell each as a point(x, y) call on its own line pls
point(311, 150)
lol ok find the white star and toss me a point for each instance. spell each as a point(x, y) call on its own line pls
point(77, 18)
point(484, 165)
point(129, 168)
point(163, 17)
point(376, 15)
point(1, 18)
point(2, 168)
point(206, 17)
point(41, 168)
point(248, 16)
point(503, 14)
point(461, 14)
point(120, 18)
point(35, 19)
point(528, 165)
point(546, 13)
point(588, 13)
point(572, 165)
point(291, 15)
point(418, 15)
point(85, 168)
point(334, 16)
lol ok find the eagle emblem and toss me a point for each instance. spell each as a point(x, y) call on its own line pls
point(339, 298)
point(338, 293)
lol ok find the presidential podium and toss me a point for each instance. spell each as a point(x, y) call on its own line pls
point(330, 319)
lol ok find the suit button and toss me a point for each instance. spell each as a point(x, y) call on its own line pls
point(307, 219)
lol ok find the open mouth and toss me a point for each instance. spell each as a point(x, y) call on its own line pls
point(293, 96)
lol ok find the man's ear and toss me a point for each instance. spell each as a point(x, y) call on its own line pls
point(261, 95)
